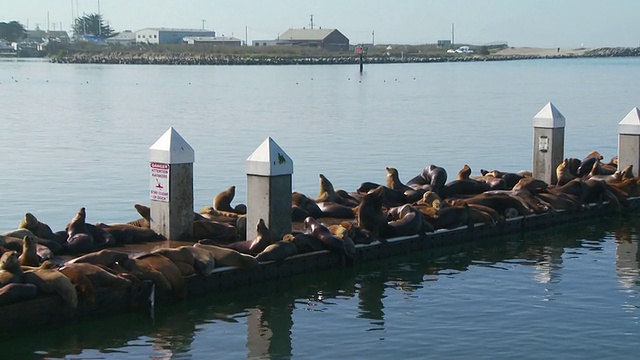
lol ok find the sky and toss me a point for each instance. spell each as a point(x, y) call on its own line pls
point(520, 23)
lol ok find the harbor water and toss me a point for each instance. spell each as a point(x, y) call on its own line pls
point(79, 135)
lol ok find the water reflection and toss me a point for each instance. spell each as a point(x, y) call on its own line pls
point(258, 322)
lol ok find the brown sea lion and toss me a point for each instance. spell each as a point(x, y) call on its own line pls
point(229, 257)
point(222, 202)
point(210, 213)
point(451, 217)
point(167, 268)
point(431, 178)
point(50, 281)
point(464, 173)
point(305, 243)
point(17, 292)
point(253, 247)
point(408, 221)
point(305, 203)
point(322, 233)
point(277, 251)
point(594, 154)
point(457, 188)
point(104, 257)
point(130, 234)
point(83, 237)
point(370, 214)
point(29, 256)
point(335, 210)
point(216, 231)
point(38, 228)
point(10, 270)
point(182, 257)
point(393, 180)
point(203, 261)
point(327, 193)
point(532, 185)
point(563, 173)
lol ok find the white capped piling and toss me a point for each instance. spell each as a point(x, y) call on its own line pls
point(269, 171)
point(629, 141)
point(548, 143)
point(171, 186)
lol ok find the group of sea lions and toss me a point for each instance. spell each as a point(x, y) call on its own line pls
point(336, 220)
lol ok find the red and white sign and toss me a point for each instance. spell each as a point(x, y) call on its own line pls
point(159, 182)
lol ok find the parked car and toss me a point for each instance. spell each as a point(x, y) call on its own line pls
point(464, 50)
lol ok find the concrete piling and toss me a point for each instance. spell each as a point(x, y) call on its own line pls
point(548, 143)
point(629, 141)
point(269, 171)
point(171, 186)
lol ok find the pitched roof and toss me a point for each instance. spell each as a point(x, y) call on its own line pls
point(306, 34)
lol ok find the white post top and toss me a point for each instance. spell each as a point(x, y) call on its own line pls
point(269, 160)
point(171, 148)
point(631, 123)
point(549, 117)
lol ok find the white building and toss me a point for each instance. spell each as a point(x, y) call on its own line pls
point(169, 36)
point(126, 37)
point(213, 40)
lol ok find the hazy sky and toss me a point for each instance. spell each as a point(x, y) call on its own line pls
point(538, 23)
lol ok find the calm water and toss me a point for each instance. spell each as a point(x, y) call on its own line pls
point(76, 135)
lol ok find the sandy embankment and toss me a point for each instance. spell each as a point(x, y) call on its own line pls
point(528, 51)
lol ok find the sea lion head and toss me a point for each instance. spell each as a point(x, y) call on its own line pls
point(9, 261)
point(29, 222)
point(464, 173)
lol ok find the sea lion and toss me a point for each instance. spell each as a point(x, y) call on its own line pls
point(229, 257)
point(563, 173)
point(322, 233)
point(98, 276)
point(335, 210)
point(50, 281)
point(370, 215)
point(17, 292)
point(181, 257)
point(29, 256)
point(10, 270)
point(216, 231)
point(431, 178)
point(83, 237)
point(167, 268)
point(210, 213)
point(586, 165)
point(393, 180)
point(203, 261)
point(451, 217)
point(464, 173)
point(306, 204)
point(458, 188)
point(130, 234)
point(327, 193)
point(305, 243)
point(222, 202)
point(38, 228)
point(277, 251)
point(103, 257)
point(408, 221)
point(532, 185)
point(253, 247)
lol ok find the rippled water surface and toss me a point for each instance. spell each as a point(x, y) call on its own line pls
point(78, 135)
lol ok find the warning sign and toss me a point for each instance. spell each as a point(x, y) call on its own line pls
point(159, 182)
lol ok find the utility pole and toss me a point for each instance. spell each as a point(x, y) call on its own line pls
point(203, 21)
point(311, 21)
point(246, 35)
point(452, 35)
point(373, 37)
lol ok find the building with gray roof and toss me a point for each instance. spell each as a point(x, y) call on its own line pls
point(329, 39)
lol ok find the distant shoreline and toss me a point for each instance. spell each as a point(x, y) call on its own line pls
point(180, 58)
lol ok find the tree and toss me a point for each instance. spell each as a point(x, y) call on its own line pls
point(92, 24)
point(12, 31)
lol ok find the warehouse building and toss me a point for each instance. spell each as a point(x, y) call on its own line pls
point(169, 36)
